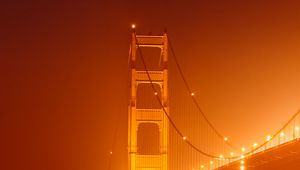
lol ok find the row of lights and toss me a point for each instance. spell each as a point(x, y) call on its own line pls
point(192, 94)
point(242, 166)
point(242, 162)
point(243, 149)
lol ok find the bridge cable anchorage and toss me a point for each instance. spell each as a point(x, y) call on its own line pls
point(194, 99)
point(164, 110)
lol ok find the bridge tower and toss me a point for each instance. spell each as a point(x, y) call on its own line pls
point(138, 116)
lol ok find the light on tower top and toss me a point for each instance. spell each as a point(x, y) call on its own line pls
point(133, 26)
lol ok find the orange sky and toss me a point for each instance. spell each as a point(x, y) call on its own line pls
point(65, 74)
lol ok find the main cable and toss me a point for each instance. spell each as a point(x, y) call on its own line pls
point(180, 133)
point(275, 134)
point(194, 99)
point(203, 114)
point(164, 110)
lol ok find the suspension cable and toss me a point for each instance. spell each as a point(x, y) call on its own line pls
point(164, 110)
point(194, 99)
point(204, 115)
point(181, 134)
point(275, 134)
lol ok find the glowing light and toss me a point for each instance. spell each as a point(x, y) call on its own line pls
point(282, 134)
point(225, 139)
point(202, 166)
point(110, 153)
point(192, 94)
point(211, 162)
point(254, 145)
point(242, 167)
point(231, 153)
point(296, 128)
point(242, 156)
point(268, 138)
point(242, 162)
point(155, 93)
point(221, 156)
point(184, 138)
point(243, 149)
point(133, 26)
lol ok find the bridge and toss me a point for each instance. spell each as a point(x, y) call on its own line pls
point(167, 128)
point(284, 156)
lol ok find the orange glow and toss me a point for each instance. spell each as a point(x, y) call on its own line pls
point(66, 81)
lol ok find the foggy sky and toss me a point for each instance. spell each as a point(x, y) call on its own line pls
point(64, 73)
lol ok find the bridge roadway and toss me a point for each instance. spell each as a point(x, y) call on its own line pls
point(283, 157)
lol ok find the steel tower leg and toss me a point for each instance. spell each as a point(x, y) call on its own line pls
point(157, 116)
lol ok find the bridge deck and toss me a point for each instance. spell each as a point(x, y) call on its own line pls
point(283, 157)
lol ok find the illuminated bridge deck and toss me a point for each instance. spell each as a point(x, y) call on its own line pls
point(283, 157)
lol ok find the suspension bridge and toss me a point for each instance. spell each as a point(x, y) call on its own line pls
point(167, 128)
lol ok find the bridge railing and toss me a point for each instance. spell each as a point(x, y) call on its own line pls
point(288, 133)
